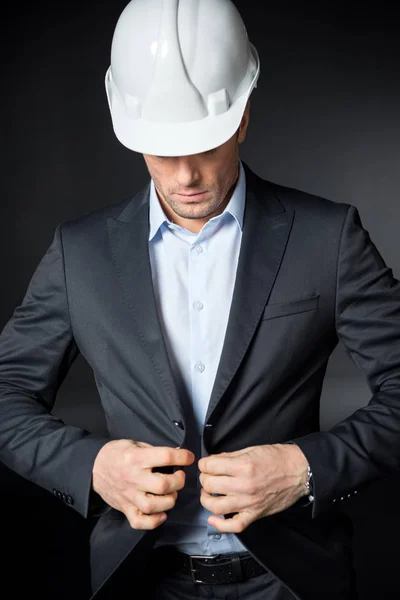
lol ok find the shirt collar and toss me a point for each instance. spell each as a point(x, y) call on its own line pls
point(235, 206)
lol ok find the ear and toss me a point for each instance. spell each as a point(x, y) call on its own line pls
point(244, 123)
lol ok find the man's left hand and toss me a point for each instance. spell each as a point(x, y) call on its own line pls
point(251, 483)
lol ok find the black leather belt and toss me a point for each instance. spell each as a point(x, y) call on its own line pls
point(218, 568)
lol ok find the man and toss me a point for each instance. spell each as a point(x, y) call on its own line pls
point(207, 306)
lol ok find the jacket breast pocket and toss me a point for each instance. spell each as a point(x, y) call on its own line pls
point(272, 311)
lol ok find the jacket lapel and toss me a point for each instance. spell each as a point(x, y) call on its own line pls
point(128, 235)
point(266, 230)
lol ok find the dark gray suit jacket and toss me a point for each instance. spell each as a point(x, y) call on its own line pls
point(308, 276)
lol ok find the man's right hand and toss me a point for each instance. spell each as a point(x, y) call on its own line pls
point(123, 476)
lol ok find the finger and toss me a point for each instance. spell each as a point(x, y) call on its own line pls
point(221, 505)
point(238, 523)
point(221, 484)
point(150, 504)
point(235, 452)
point(159, 483)
point(142, 444)
point(161, 456)
point(218, 465)
point(137, 520)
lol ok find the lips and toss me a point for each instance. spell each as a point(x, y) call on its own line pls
point(191, 195)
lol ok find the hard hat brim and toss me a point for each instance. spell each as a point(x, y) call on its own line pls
point(177, 139)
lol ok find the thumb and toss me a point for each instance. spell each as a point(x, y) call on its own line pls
point(141, 444)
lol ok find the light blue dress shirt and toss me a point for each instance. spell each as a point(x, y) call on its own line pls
point(193, 278)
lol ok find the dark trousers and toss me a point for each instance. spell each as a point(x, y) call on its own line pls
point(157, 579)
point(262, 587)
point(163, 583)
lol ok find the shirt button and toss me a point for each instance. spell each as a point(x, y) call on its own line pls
point(199, 249)
point(198, 305)
point(199, 367)
point(217, 536)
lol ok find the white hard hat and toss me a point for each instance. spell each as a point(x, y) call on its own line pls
point(180, 76)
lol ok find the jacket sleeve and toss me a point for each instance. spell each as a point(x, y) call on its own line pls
point(366, 445)
point(37, 348)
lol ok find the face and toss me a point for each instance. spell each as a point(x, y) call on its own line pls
point(192, 189)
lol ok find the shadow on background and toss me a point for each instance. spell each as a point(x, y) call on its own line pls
point(45, 544)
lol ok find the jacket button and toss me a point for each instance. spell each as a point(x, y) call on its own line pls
point(209, 425)
point(178, 424)
point(70, 500)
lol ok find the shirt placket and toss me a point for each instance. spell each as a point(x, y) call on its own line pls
point(197, 309)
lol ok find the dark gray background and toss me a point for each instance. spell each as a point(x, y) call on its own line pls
point(324, 119)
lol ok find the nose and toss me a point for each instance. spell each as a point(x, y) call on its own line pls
point(187, 172)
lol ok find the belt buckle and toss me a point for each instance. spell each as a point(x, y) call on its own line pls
point(193, 568)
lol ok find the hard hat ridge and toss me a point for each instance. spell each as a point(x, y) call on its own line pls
point(172, 97)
